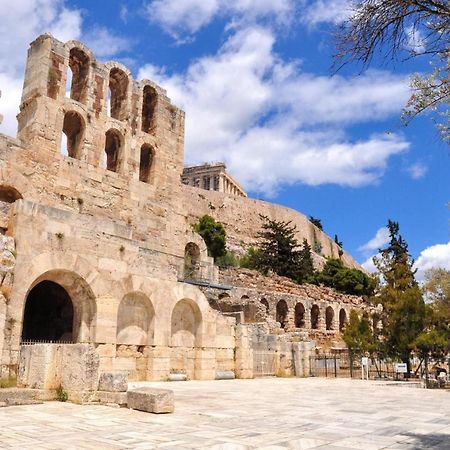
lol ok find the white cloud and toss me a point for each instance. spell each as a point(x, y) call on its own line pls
point(188, 16)
point(249, 108)
point(415, 40)
point(380, 239)
point(368, 265)
point(417, 170)
point(104, 44)
point(435, 256)
point(327, 11)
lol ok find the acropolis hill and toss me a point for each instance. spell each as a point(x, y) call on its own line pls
point(95, 221)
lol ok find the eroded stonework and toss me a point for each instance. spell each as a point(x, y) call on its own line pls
point(96, 242)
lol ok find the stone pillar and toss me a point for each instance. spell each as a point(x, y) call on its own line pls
point(221, 183)
point(321, 323)
point(158, 367)
point(302, 352)
point(244, 353)
point(106, 326)
point(307, 318)
point(205, 364)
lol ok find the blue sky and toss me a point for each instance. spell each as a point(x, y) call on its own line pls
point(255, 80)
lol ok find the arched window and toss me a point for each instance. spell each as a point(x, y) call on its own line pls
point(315, 312)
point(9, 194)
point(282, 313)
point(342, 319)
point(149, 101)
point(72, 134)
point(329, 318)
point(191, 261)
point(79, 66)
point(118, 89)
point(299, 315)
point(266, 304)
point(113, 147)
point(146, 163)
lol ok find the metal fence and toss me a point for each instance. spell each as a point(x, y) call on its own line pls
point(33, 342)
point(344, 365)
point(264, 363)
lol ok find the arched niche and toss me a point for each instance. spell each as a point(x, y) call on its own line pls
point(118, 92)
point(315, 314)
point(342, 319)
point(265, 303)
point(72, 134)
point(299, 315)
point(54, 292)
point(146, 162)
point(9, 194)
point(191, 261)
point(78, 77)
point(113, 150)
point(135, 320)
point(329, 318)
point(149, 101)
point(185, 324)
point(282, 313)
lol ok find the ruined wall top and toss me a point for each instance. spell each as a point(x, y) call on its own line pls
point(97, 113)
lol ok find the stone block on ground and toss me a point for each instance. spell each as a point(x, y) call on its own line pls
point(157, 401)
point(17, 396)
point(110, 398)
point(113, 382)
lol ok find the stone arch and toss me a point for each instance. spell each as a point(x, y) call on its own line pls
point(186, 321)
point(135, 320)
point(72, 134)
point(342, 319)
point(282, 313)
point(79, 63)
point(265, 303)
point(299, 315)
point(315, 316)
point(113, 149)
point(191, 261)
point(54, 291)
point(149, 102)
point(9, 194)
point(146, 163)
point(223, 295)
point(329, 318)
point(118, 93)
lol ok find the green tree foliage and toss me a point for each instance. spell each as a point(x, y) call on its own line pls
point(358, 334)
point(316, 222)
point(278, 251)
point(214, 235)
point(401, 298)
point(409, 29)
point(343, 279)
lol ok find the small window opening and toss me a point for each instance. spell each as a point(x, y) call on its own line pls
point(146, 163)
point(148, 109)
point(315, 312)
point(112, 150)
point(72, 135)
point(79, 66)
point(282, 313)
point(299, 315)
point(118, 87)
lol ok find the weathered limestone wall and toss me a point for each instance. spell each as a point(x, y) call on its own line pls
point(241, 218)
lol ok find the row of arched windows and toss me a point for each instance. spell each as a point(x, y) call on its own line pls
point(118, 92)
point(282, 312)
point(71, 145)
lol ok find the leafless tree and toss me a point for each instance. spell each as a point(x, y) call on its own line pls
point(403, 29)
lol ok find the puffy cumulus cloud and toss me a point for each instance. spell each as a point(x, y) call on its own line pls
point(248, 107)
point(104, 44)
point(435, 256)
point(178, 18)
point(380, 239)
point(326, 11)
point(26, 20)
point(369, 265)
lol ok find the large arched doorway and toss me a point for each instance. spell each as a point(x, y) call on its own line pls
point(342, 319)
point(59, 306)
point(48, 314)
point(315, 313)
point(329, 318)
point(299, 315)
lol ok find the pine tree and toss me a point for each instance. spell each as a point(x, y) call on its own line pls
point(401, 298)
point(306, 264)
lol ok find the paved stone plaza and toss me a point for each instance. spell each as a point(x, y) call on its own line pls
point(245, 414)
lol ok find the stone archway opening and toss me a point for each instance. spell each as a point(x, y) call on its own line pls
point(342, 319)
point(59, 306)
point(329, 318)
point(315, 313)
point(299, 315)
point(265, 303)
point(191, 261)
point(282, 313)
point(49, 314)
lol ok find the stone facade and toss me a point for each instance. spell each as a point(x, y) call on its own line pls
point(212, 177)
point(95, 226)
